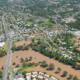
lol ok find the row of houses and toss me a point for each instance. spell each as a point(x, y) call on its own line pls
point(39, 75)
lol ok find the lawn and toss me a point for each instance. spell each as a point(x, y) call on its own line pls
point(5, 47)
point(15, 42)
point(46, 23)
point(23, 68)
point(29, 23)
point(26, 67)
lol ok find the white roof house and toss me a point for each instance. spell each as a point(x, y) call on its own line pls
point(34, 76)
point(19, 79)
point(40, 73)
point(28, 77)
point(53, 78)
point(47, 76)
point(28, 74)
point(2, 44)
point(40, 77)
point(34, 73)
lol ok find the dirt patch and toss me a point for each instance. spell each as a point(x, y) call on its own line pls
point(39, 57)
point(22, 43)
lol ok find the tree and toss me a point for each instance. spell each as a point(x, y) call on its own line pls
point(2, 68)
point(51, 66)
point(22, 59)
point(70, 76)
point(78, 66)
point(32, 40)
point(59, 69)
point(75, 78)
point(1, 74)
point(17, 65)
point(65, 73)
point(30, 58)
point(24, 73)
point(26, 60)
point(44, 64)
point(14, 63)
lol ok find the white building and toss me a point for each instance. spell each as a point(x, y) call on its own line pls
point(34, 73)
point(2, 44)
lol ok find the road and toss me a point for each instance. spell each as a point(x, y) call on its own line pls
point(9, 53)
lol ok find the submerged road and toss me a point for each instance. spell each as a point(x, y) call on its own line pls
point(9, 53)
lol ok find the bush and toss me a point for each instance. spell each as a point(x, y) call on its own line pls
point(17, 65)
point(14, 63)
point(51, 66)
point(65, 73)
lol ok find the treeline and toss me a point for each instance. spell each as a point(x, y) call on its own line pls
point(57, 56)
point(14, 48)
point(2, 53)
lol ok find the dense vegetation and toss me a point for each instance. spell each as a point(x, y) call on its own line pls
point(75, 25)
point(40, 47)
point(3, 2)
point(2, 53)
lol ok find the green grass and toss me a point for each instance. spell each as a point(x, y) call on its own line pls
point(29, 23)
point(46, 23)
point(11, 69)
point(39, 31)
point(15, 42)
point(38, 38)
point(5, 47)
point(23, 68)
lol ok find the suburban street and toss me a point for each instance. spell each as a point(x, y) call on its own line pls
point(9, 53)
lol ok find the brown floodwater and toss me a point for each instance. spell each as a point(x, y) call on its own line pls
point(39, 57)
point(21, 43)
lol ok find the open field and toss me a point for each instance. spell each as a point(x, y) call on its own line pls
point(46, 23)
point(29, 23)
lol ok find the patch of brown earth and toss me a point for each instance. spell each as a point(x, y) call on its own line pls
point(39, 57)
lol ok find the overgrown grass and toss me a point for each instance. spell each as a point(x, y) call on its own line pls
point(46, 23)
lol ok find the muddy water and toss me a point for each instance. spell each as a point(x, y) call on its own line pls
point(40, 57)
point(21, 43)
point(2, 61)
